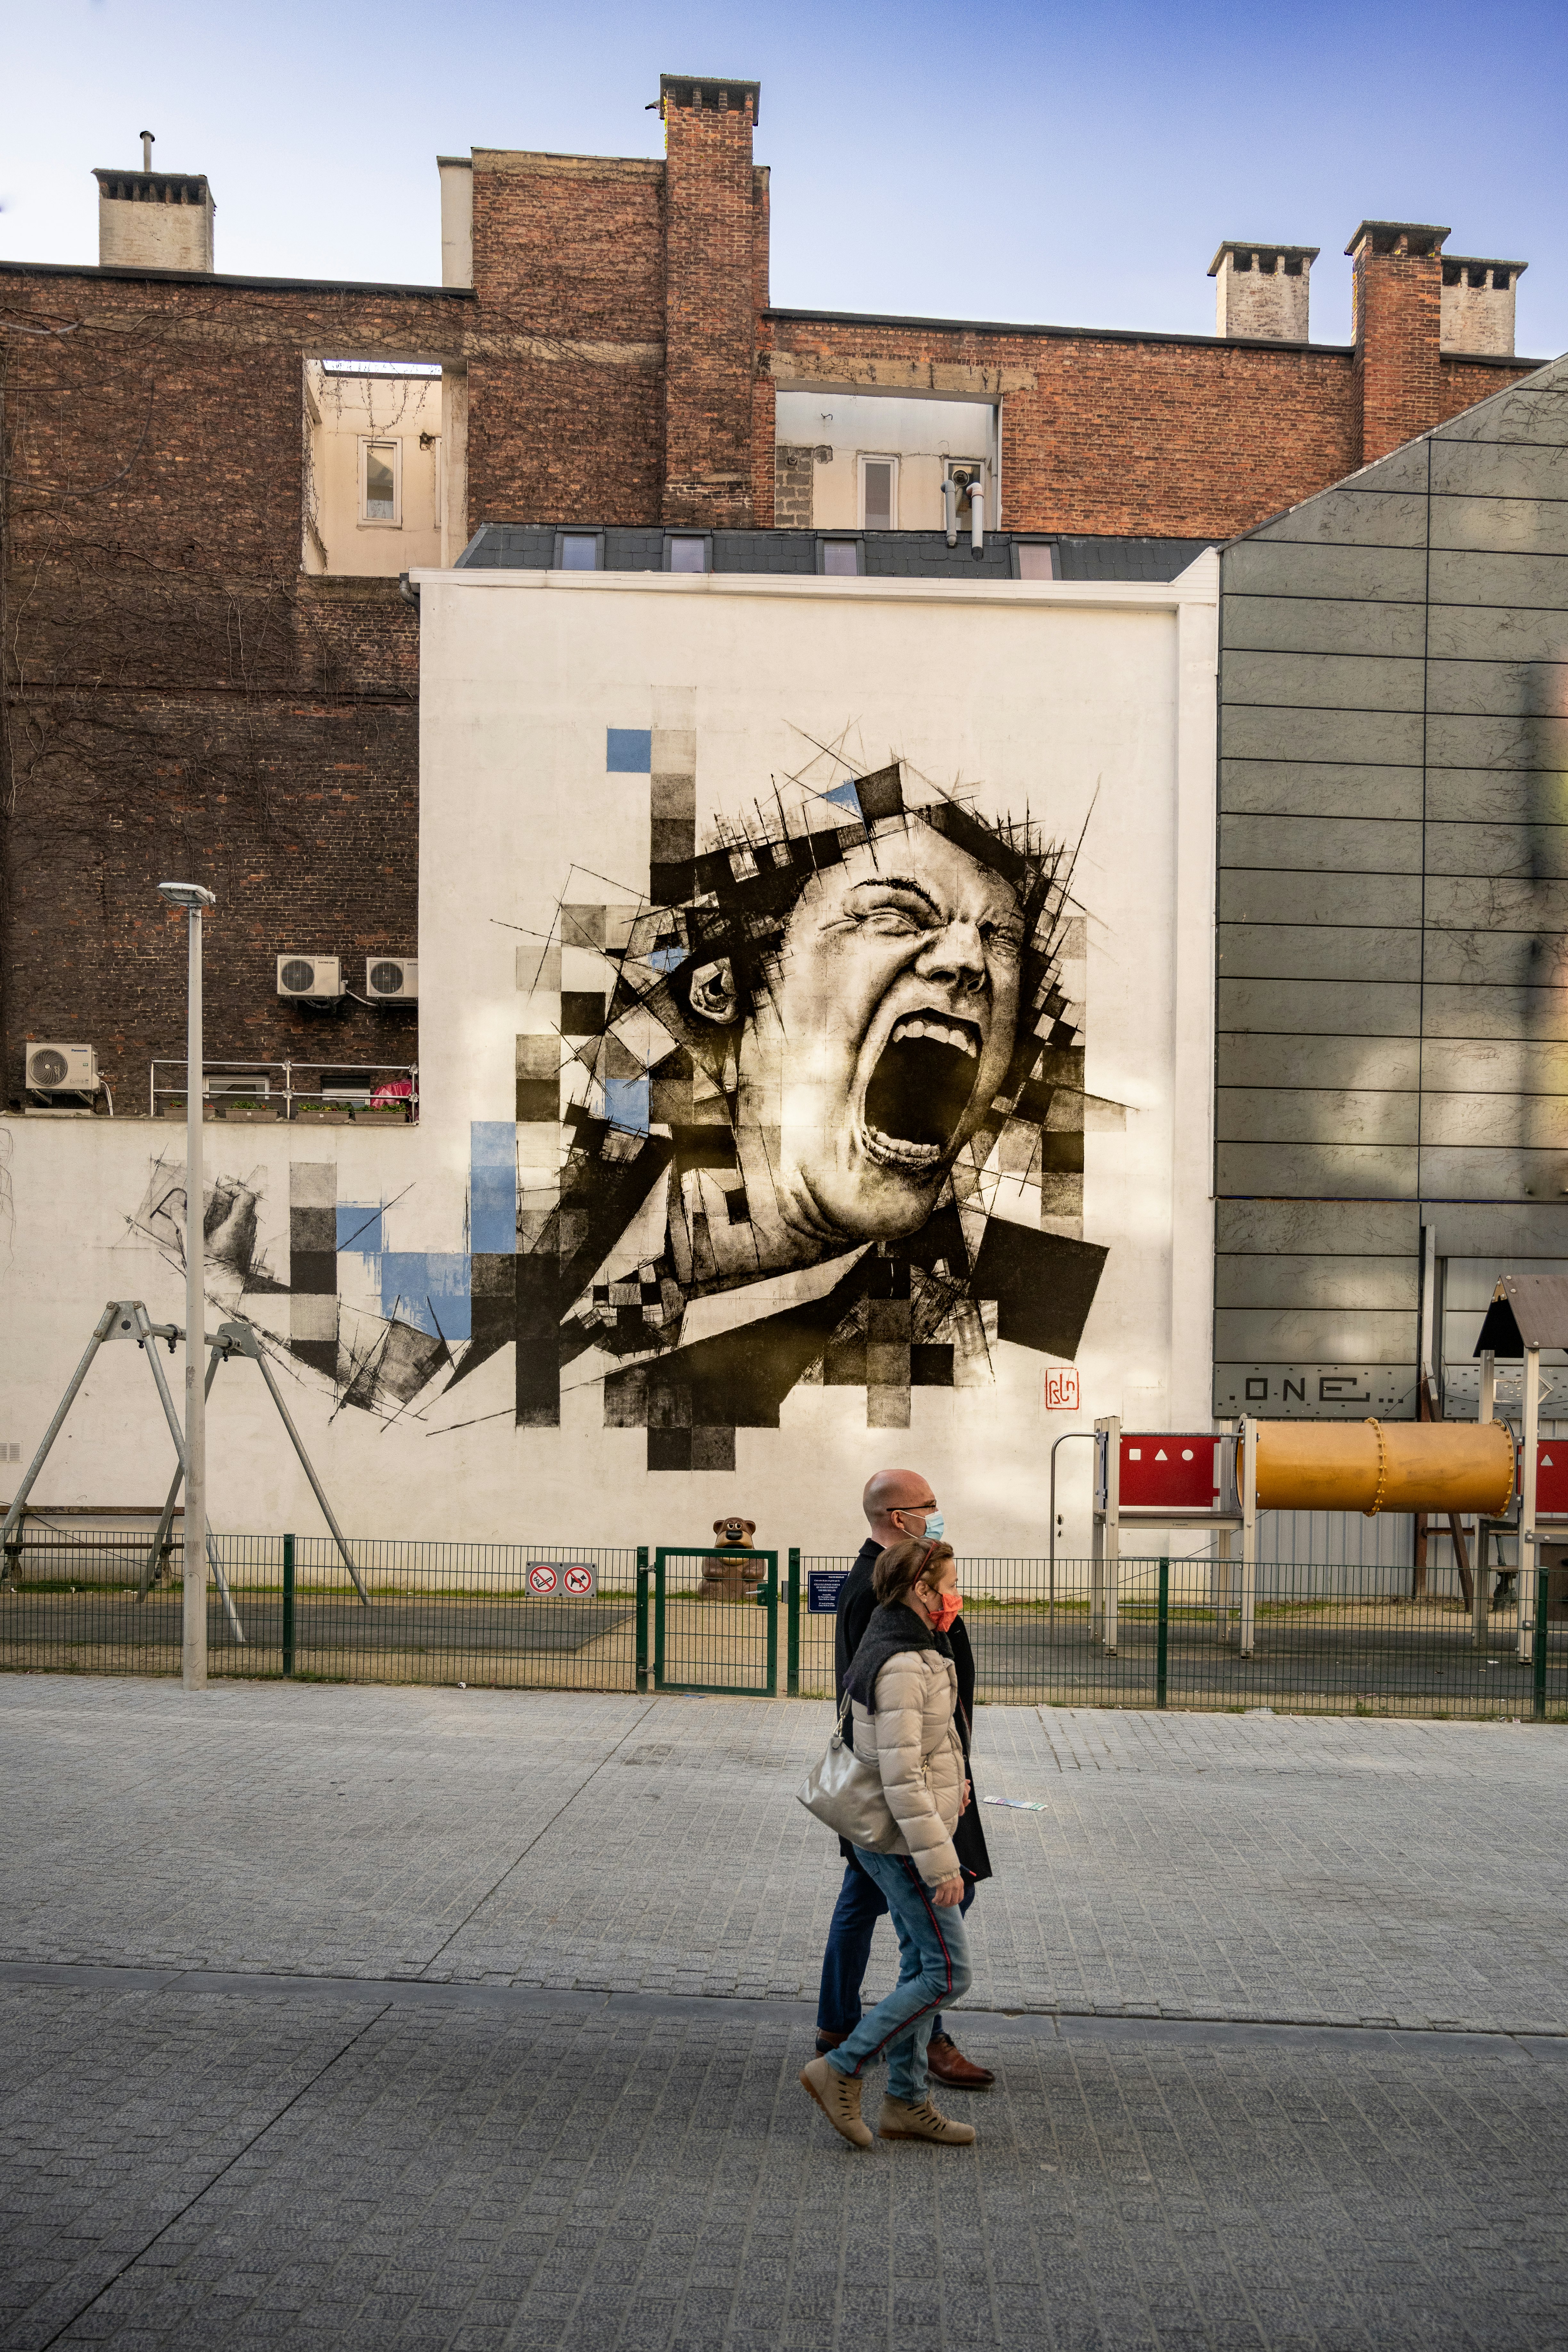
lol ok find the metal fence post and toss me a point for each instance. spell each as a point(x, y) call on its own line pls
point(792, 1626)
point(642, 1617)
point(1163, 1638)
point(773, 1605)
point(288, 1604)
point(1542, 1589)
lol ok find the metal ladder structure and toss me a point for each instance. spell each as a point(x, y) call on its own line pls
point(127, 1317)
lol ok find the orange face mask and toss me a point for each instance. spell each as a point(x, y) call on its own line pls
point(944, 1609)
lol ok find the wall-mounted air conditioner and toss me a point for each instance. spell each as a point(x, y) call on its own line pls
point(62, 1069)
point(310, 980)
point(392, 980)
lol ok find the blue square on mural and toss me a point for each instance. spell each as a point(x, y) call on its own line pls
point(492, 1186)
point(629, 751)
point(430, 1289)
point(359, 1227)
point(625, 1104)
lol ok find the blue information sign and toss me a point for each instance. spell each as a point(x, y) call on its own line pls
point(822, 1590)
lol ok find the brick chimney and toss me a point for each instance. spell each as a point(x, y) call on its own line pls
point(1396, 292)
point(154, 220)
point(1262, 291)
point(715, 216)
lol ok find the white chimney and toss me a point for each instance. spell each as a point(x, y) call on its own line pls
point(154, 220)
point(1477, 305)
point(1262, 291)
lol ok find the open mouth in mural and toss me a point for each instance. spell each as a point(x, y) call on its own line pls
point(921, 1088)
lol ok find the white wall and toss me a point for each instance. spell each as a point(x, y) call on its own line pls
point(1091, 706)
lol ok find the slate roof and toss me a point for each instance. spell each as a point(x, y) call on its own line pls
point(893, 554)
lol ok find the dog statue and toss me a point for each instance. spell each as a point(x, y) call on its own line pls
point(729, 1574)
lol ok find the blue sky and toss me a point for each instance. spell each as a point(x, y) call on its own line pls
point(1077, 164)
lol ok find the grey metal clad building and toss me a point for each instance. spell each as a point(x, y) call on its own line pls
point(1392, 974)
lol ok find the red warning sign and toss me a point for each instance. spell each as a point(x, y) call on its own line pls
point(542, 1576)
point(1169, 1470)
point(1550, 1476)
point(1061, 1390)
point(579, 1582)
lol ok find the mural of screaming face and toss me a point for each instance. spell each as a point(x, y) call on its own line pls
point(881, 1039)
point(847, 1028)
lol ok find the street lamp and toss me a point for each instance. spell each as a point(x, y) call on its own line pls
point(193, 1658)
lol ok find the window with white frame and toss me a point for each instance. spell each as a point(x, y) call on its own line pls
point(381, 481)
point(879, 494)
point(579, 551)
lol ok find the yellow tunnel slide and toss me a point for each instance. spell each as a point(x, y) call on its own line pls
point(1384, 1465)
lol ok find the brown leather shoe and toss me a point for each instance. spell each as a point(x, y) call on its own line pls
point(952, 2069)
point(826, 2041)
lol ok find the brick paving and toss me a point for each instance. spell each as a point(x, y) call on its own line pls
point(485, 2112)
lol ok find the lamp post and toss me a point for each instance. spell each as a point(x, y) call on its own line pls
point(193, 1649)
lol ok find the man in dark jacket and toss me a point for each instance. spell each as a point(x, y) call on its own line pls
point(897, 1503)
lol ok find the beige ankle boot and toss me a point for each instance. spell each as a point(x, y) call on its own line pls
point(838, 2097)
point(899, 2120)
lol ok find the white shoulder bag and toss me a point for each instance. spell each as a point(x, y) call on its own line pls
point(847, 1794)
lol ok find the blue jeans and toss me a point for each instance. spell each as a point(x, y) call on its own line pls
point(933, 1967)
point(861, 1903)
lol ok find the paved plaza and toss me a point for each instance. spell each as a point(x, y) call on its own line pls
point(430, 2018)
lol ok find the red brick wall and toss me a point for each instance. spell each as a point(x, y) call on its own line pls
point(711, 313)
point(1397, 299)
point(566, 387)
point(181, 702)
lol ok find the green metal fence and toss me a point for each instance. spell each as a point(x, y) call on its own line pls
point(590, 1617)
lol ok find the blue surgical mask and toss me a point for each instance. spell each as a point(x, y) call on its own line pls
point(936, 1525)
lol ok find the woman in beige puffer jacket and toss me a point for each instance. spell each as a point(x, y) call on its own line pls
point(904, 1690)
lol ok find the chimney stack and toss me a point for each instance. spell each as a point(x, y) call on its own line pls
point(1477, 305)
point(715, 280)
point(1262, 291)
point(1397, 288)
point(154, 220)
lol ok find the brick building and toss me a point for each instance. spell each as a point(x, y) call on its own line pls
point(197, 681)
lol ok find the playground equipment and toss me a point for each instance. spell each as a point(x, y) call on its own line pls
point(127, 1317)
point(1188, 1478)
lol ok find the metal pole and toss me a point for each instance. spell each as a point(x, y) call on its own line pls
point(792, 1626)
point(315, 1483)
point(641, 1673)
point(1527, 1502)
point(101, 1330)
point(288, 1604)
point(1543, 1583)
point(195, 1648)
point(1163, 1635)
point(772, 1638)
point(161, 1534)
point(1248, 1532)
point(1480, 1597)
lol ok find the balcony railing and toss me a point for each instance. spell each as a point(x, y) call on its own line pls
point(383, 1093)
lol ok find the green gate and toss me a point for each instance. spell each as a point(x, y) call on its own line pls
point(710, 1641)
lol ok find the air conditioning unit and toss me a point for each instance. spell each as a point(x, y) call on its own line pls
point(310, 980)
point(62, 1069)
point(392, 980)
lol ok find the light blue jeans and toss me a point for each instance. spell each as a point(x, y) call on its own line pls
point(933, 1968)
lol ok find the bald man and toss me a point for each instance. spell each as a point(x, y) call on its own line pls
point(897, 1503)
